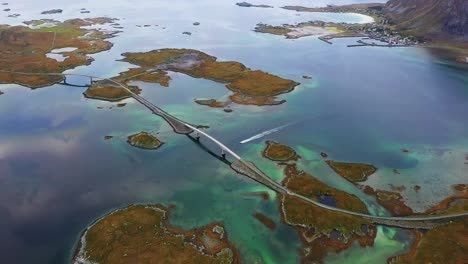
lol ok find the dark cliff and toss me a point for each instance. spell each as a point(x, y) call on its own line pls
point(432, 19)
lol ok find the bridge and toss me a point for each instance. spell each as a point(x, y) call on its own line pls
point(249, 169)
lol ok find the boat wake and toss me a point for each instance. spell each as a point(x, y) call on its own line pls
point(268, 132)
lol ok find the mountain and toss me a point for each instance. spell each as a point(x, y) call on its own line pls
point(431, 19)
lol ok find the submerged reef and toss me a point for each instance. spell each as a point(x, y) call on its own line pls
point(265, 220)
point(144, 140)
point(142, 234)
point(248, 86)
point(24, 49)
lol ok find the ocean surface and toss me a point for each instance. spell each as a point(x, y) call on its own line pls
point(366, 104)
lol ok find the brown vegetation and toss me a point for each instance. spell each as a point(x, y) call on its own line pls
point(278, 152)
point(24, 49)
point(142, 234)
point(444, 244)
point(249, 87)
point(107, 93)
point(144, 140)
point(210, 103)
point(456, 203)
point(274, 30)
point(392, 201)
point(323, 231)
point(353, 172)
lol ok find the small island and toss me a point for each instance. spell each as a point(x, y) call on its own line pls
point(53, 11)
point(107, 91)
point(210, 102)
point(142, 234)
point(144, 140)
point(248, 86)
point(246, 4)
point(278, 152)
point(353, 172)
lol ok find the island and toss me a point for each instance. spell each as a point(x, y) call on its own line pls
point(251, 87)
point(53, 11)
point(144, 140)
point(353, 172)
point(278, 152)
point(26, 49)
point(322, 231)
point(107, 91)
point(210, 102)
point(142, 234)
point(246, 4)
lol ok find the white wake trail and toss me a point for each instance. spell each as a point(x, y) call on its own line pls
point(264, 133)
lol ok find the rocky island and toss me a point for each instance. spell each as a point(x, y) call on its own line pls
point(278, 152)
point(107, 91)
point(25, 48)
point(142, 234)
point(354, 172)
point(52, 11)
point(144, 140)
point(246, 4)
point(248, 86)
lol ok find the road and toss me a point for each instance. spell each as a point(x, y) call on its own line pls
point(249, 169)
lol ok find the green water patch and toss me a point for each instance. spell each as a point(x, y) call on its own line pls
point(388, 242)
point(218, 202)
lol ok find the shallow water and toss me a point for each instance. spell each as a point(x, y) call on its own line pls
point(58, 174)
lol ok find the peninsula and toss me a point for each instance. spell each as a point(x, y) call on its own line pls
point(142, 234)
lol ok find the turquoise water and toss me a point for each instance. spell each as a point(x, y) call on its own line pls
point(58, 174)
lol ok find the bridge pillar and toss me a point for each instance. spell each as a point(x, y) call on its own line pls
point(197, 136)
point(223, 154)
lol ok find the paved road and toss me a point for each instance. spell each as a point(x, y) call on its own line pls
point(248, 169)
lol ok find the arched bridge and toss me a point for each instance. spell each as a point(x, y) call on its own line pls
point(249, 169)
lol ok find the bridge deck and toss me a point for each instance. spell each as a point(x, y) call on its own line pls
point(250, 170)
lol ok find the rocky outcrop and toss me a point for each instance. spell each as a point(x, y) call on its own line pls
point(432, 19)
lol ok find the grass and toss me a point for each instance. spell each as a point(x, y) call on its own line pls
point(141, 234)
point(249, 86)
